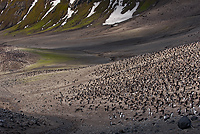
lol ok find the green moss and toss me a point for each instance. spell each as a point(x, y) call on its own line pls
point(32, 18)
point(54, 19)
point(79, 20)
point(145, 5)
point(48, 58)
point(10, 17)
point(83, 10)
point(36, 14)
point(130, 5)
point(36, 26)
point(33, 78)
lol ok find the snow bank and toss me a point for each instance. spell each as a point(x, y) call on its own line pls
point(96, 4)
point(117, 17)
point(71, 1)
point(54, 4)
point(67, 16)
point(4, 8)
point(33, 4)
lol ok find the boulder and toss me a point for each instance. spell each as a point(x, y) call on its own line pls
point(184, 123)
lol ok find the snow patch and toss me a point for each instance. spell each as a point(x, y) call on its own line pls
point(33, 4)
point(117, 16)
point(26, 27)
point(54, 4)
point(67, 16)
point(96, 4)
point(4, 9)
point(47, 23)
point(50, 26)
point(110, 4)
point(45, 6)
point(111, 1)
point(71, 1)
point(115, 3)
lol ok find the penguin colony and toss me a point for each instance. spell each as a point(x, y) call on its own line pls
point(157, 85)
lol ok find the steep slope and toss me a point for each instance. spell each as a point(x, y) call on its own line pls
point(34, 16)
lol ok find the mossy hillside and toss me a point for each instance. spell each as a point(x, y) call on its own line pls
point(35, 14)
point(31, 19)
point(92, 19)
point(48, 58)
point(51, 28)
point(14, 13)
point(100, 15)
point(82, 13)
point(3, 3)
point(52, 18)
point(78, 20)
point(102, 12)
point(145, 5)
point(130, 4)
point(57, 15)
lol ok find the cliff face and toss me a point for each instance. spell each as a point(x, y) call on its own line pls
point(35, 16)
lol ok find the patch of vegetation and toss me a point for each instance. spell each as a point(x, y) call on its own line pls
point(83, 10)
point(145, 5)
point(33, 23)
point(83, 21)
point(14, 13)
point(48, 57)
point(33, 78)
point(130, 4)
point(33, 20)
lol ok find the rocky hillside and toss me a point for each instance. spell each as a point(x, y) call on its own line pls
point(36, 16)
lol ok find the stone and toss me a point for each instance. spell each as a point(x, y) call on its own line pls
point(193, 118)
point(184, 123)
point(166, 117)
point(172, 121)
